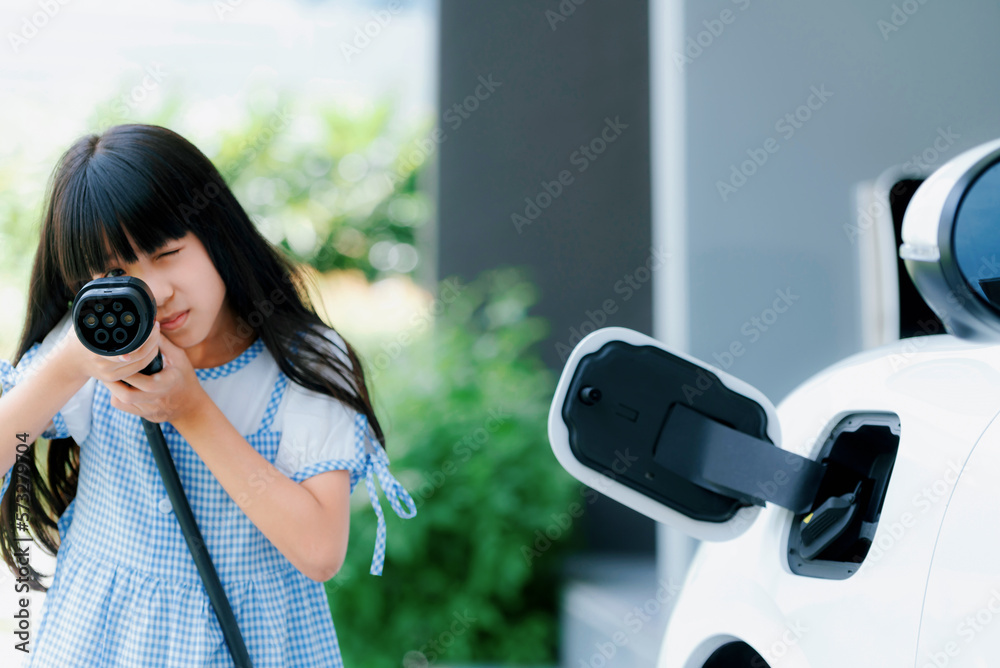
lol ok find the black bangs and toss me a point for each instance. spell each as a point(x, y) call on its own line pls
point(108, 205)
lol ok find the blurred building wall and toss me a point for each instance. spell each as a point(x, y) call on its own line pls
point(544, 162)
point(784, 108)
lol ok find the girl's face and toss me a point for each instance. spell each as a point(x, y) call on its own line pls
point(190, 297)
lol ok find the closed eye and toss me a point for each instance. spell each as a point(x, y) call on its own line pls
point(170, 252)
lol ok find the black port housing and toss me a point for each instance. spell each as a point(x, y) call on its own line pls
point(859, 455)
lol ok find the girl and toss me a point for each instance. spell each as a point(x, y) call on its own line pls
point(264, 409)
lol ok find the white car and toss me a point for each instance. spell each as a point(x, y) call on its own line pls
point(855, 525)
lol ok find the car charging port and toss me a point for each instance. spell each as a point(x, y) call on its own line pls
point(833, 538)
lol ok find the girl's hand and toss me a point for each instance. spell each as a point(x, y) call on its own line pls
point(170, 395)
point(87, 364)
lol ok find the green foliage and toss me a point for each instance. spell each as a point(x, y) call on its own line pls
point(340, 198)
point(326, 183)
point(483, 488)
point(18, 220)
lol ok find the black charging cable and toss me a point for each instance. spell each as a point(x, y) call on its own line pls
point(114, 316)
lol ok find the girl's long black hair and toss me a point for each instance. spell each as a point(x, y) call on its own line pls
point(149, 183)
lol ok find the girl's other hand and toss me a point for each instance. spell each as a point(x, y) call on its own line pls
point(108, 369)
point(171, 395)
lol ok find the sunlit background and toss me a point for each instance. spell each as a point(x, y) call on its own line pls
point(305, 125)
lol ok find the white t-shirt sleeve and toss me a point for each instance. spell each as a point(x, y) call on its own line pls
point(74, 418)
point(320, 433)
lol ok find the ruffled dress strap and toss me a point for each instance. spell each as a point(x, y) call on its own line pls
point(377, 464)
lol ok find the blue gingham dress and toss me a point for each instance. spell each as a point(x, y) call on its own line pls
point(126, 591)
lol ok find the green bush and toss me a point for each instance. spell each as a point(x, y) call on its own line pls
point(483, 489)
